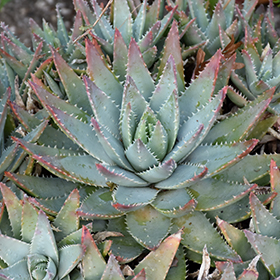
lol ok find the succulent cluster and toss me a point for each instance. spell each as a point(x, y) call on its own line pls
point(111, 155)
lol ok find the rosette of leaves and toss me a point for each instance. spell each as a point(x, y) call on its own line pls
point(257, 246)
point(19, 61)
point(156, 265)
point(114, 29)
point(155, 144)
point(200, 26)
point(34, 248)
point(11, 156)
point(260, 72)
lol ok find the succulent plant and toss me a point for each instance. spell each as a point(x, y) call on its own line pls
point(260, 242)
point(32, 247)
point(151, 267)
point(149, 156)
point(260, 71)
point(29, 248)
point(202, 27)
point(155, 143)
point(113, 30)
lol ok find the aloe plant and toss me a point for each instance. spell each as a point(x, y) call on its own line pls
point(148, 143)
point(30, 248)
point(144, 150)
point(256, 246)
point(114, 29)
point(210, 29)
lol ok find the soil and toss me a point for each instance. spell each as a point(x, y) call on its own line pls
point(16, 15)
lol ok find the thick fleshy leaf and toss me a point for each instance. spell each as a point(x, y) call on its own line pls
point(12, 250)
point(128, 199)
point(172, 47)
point(186, 145)
point(121, 176)
point(242, 122)
point(233, 213)
point(7, 158)
point(43, 241)
point(132, 96)
point(206, 116)
point(211, 194)
point(67, 220)
point(137, 69)
point(36, 186)
point(195, 238)
point(127, 126)
point(14, 209)
point(28, 221)
point(50, 206)
point(125, 248)
point(220, 156)
point(158, 141)
point(265, 72)
point(112, 270)
point(123, 20)
point(15, 64)
point(256, 166)
point(139, 156)
point(169, 117)
point(275, 187)
point(197, 9)
point(65, 163)
point(264, 222)
point(228, 273)
point(40, 266)
point(112, 146)
point(49, 99)
point(75, 237)
point(251, 273)
point(225, 71)
point(268, 248)
point(103, 23)
point(236, 239)
point(140, 224)
point(180, 270)
point(104, 108)
point(166, 85)
point(81, 133)
point(159, 173)
point(120, 56)
point(71, 82)
point(17, 271)
point(139, 23)
point(155, 267)
point(3, 110)
point(147, 41)
point(174, 203)
point(183, 176)
point(201, 89)
point(241, 85)
point(146, 125)
point(69, 257)
point(79, 168)
point(17, 51)
point(102, 76)
point(93, 263)
point(98, 205)
point(218, 20)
